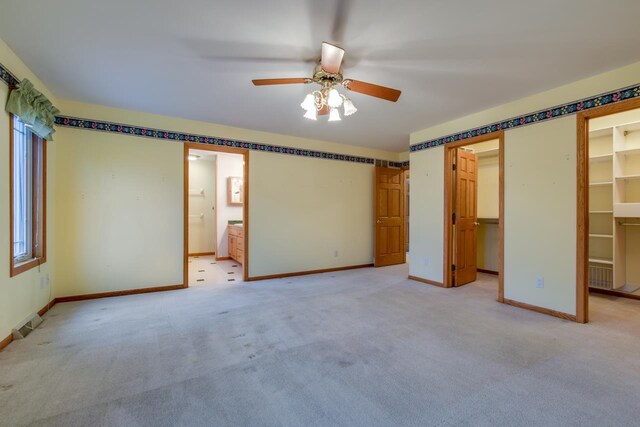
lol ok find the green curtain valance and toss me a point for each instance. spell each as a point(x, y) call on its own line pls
point(33, 108)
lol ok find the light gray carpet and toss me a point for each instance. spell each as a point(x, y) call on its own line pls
point(357, 348)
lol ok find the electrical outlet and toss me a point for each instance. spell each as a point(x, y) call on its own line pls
point(48, 280)
point(335, 254)
point(425, 261)
point(41, 282)
point(539, 282)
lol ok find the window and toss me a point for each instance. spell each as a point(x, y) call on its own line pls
point(28, 194)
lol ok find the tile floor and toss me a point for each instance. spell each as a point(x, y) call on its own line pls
point(205, 270)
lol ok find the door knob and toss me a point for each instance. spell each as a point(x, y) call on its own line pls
point(378, 222)
point(476, 223)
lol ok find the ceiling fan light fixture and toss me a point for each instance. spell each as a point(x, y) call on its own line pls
point(334, 99)
point(349, 108)
point(311, 114)
point(328, 74)
point(309, 102)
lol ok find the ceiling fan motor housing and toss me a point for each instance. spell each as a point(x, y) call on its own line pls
point(325, 78)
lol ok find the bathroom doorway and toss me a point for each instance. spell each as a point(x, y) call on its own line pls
point(215, 215)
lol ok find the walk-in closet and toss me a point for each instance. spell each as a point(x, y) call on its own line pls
point(614, 204)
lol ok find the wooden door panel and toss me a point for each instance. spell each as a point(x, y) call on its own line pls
point(394, 203)
point(466, 194)
point(383, 241)
point(394, 240)
point(383, 202)
point(389, 217)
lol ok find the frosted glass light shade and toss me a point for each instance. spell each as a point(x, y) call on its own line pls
point(334, 115)
point(311, 114)
point(349, 108)
point(309, 102)
point(334, 100)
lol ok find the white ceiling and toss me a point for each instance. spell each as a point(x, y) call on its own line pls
point(196, 58)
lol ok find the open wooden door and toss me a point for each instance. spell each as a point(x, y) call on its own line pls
point(466, 218)
point(389, 216)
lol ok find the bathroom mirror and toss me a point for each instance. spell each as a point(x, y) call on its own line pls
point(235, 191)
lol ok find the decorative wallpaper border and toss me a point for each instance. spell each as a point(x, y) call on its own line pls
point(143, 132)
point(539, 116)
point(7, 76)
point(404, 164)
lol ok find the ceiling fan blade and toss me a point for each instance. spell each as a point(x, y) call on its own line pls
point(372, 90)
point(323, 111)
point(265, 82)
point(331, 58)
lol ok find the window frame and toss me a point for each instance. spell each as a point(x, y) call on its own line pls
point(38, 197)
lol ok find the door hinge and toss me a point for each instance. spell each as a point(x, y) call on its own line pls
point(453, 218)
point(453, 267)
point(454, 166)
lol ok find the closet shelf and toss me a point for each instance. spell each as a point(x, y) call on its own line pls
point(629, 151)
point(600, 184)
point(601, 158)
point(601, 261)
point(628, 177)
point(489, 220)
point(600, 212)
point(602, 236)
point(626, 210)
point(629, 127)
point(608, 131)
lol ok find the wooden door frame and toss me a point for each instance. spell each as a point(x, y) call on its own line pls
point(448, 206)
point(245, 208)
point(406, 171)
point(582, 226)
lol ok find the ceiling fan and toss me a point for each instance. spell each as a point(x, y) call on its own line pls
point(328, 73)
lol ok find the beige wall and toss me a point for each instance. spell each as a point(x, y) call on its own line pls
point(24, 294)
point(119, 210)
point(540, 214)
point(303, 210)
point(540, 194)
point(202, 198)
point(427, 215)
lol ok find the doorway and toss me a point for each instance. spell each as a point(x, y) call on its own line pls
point(215, 215)
point(474, 212)
point(608, 204)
